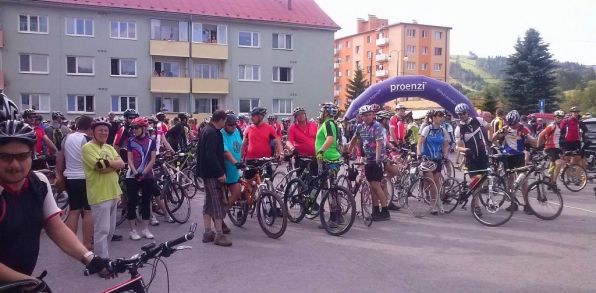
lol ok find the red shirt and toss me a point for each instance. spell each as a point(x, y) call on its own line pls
point(257, 138)
point(39, 133)
point(303, 138)
point(400, 128)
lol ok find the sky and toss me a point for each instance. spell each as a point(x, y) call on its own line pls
point(487, 28)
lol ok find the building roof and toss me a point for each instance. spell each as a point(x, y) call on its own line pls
point(392, 25)
point(302, 12)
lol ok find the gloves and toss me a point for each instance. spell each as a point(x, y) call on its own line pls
point(98, 264)
point(139, 176)
point(319, 156)
point(102, 164)
point(240, 165)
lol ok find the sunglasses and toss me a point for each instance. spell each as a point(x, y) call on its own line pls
point(8, 157)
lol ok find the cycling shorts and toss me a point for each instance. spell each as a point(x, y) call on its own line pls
point(553, 154)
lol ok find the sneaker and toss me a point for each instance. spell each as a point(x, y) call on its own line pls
point(153, 221)
point(208, 237)
point(221, 240)
point(528, 210)
point(512, 207)
point(434, 212)
point(225, 229)
point(169, 219)
point(134, 235)
point(147, 234)
point(116, 238)
point(393, 207)
point(384, 215)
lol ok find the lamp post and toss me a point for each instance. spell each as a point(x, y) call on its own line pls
point(397, 63)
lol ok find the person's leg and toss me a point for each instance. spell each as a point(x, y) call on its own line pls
point(113, 212)
point(146, 194)
point(87, 228)
point(75, 204)
point(101, 228)
point(208, 236)
point(72, 222)
point(132, 191)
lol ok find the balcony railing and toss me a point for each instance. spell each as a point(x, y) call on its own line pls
point(382, 41)
point(336, 93)
point(381, 73)
point(210, 86)
point(210, 51)
point(169, 48)
point(381, 57)
point(335, 65)
point(335, 79)
point(179, 85)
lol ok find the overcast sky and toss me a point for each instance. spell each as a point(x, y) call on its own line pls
point(487, 28)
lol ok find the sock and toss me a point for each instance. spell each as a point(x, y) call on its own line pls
point(207, 230)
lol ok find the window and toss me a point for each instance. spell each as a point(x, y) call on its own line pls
point(38, 102)
point(357, 64)
point(369, 54)
point(348, 59)
point(424, 50)
point(437, 66)
point(411, 49)
point(34, 63)
point(80, 65)
point(123, 67)
point(284, 41)
point(209, 33)
point(438, 35)
point(410, 65)
point(424, 33)
point(206, 71)
point(121, 103)
point(282, 106)
point(423, 66)
point(347, 44)
point(33, 24)
point(339, 73)
point(169, 30)
point(245, 105)
point(347, 72)
point(411, 32)
point(282, 74)
point(357, 49)
point(339, 46)
point(368, 39)
point(438, 51)
point(338, 60)
point(206, 105)
point(80, 27)
point(248, 39)
point(80, 103)
point(368, 69)
point(166, 69)
point(163, 104)
point(123, 30)
point(249, 73)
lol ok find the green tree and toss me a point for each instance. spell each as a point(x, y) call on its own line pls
point(491, 95)
point(355, 87)
point(529, 75)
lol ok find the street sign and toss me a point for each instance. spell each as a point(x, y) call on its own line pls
point(541, 105)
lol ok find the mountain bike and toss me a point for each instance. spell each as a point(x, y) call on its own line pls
point(573, 176)
point(358, 185)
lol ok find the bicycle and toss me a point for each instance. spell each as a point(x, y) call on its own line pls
point(573, 176)
point(25, 285)
point(259, 195)
point(357, 184)
point(421, 193)
point(149, 252)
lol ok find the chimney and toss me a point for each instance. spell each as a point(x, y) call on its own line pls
point(289, 4)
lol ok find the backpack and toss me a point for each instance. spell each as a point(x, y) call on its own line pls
point(338, 140)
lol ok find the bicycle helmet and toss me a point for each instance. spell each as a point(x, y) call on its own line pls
point(365, 109)
point(286, 119)
point(15, 130)
point(298, 110)
point(462, 108)
point(512, 117)
point(57, 115)
point(160, 116)
point(329, 108)
point(271, 118)
point(130, 113)
point(183, 115)
point(384, 114)
point(228, 112)
point(400, 106)
point(241, 117)
point(28, 112)
point(258, 111)
point(8, 109)
point(574, 109)
point(140, 122)
point(100, 121)
point(231, 118)
point(428, 166)
point(430, 113)
point(375, 107)
point(559, 113)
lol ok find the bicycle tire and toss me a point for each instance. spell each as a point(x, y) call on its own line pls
point(342, 180)
point(177, 203)
point(569, 177)
point(190, 175)
point(450, 194)
point(419, 200)
point(294, 197)
point(501, 203)
point(541, 202)
point(121, 211)
point(346, 202)
point(62, 202)
point(401, 186)
point(448, 170)
point(278, 180)
point(238, 211)
point(271, 210)
point(366, 204)
point(390, 190)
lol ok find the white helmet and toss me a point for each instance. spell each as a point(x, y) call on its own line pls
point(365, 109)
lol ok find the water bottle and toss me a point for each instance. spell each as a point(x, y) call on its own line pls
point(519, 180)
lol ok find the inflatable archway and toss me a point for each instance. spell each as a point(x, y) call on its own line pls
point(410, 86)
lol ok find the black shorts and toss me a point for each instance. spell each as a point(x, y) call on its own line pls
point(373, 172)
point(478, 163)
point(439, 164)
point(514, 161)
point(77, 194)
point(570, 146)
point(553, 154)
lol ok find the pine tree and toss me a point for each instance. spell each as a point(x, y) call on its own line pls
point(490, 101)
point(529, 75)
point(355, 87)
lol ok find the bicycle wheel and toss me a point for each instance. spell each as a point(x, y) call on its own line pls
point(492, 208)
point(545, 200)
point(366, 204)
point(238, 211)
point(401, 185)
point(391, 197)
point(448, 169)
point(337, 210)
point(177, 203)
point(192, 187)
point(272, 214)
point(294, 200)
point(342, 180)
point(422, 196)
point(574, 177)
point(279, 181)
point(61, 199)
point(450, 194)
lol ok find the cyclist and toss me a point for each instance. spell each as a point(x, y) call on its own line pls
point(176, 136)
point(371, 136)
point(115, 125)
point(411, 132)
point(551, 137)
point(497, 123)
point(514, 136)
point(397, 127)
point(447, 125)
point(56, 131)
point(572, 130)
point(301, 134)
point(257, 136)
point(433, 143)
point(242, 123)
point(29, 117)
point(123, 133)
point(141, 157)
point(161, 130)
point(232, 143)
point(285, 124)
point(211, 167)
point(101, 164)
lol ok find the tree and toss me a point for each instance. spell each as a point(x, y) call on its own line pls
point(529, 75)
point(355, 87)
point(491, 95)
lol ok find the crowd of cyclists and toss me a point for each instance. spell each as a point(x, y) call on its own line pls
point(89, 154)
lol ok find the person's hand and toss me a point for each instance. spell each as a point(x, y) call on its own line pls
point(139, 176)
point(41, 287)
point(319, 156)
point(60, 183)
point(222, 178)
point(240, 165)
point(100, 265)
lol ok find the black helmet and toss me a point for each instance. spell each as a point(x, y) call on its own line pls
point(15, 130)
point(8, 109)
point(258, 111)
point(228, 112)
point(183, 115)
point(28, 112)
point(231, 118)
point(130, 113)
point(160, 116)
point(100, 121)
point(57, 115)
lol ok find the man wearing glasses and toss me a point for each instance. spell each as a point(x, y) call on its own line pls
point(232, 141)
point(121, 138)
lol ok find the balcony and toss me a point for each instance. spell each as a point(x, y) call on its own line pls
point(382, 42)
point(210, 86)
point(335, 65)
point(335, 52)
point(169, 48)
point(178, 85)
point(209, 51)
point(381, 73)
point(336, 93)
point(335, 79)
point(382, 57)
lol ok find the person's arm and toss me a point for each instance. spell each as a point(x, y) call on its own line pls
point(291, 137)
point(60, 164)
point(151, 162)
point(446, 145)
point(392, 129)
point(165, 142)
point(229, 157)
point(352, 143)
point(66, 239)
point(244, 146)
point(131, 165)
point(9, 275)
point(278, 147)
point(542, 136)
point(116, 164)
point(117, 138)
point(421, 140)
point(49, 143)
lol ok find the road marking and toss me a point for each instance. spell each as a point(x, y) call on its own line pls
point(580, 209)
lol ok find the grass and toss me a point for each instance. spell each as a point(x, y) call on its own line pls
point(469, 64)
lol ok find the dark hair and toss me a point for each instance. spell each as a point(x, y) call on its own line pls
point(84, 122)
point(500, 112)
point(218, 115)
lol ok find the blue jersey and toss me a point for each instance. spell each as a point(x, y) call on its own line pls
point(232, 143)
point(433, 141)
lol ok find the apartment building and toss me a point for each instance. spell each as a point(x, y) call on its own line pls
point(384, 50)
point(196, 56)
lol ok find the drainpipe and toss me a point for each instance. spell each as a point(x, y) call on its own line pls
point(190, 110)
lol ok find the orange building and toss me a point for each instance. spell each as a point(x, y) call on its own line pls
point(384, 50)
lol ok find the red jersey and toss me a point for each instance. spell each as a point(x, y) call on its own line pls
point(257, 138)
point(400, 129)
point(303, 138)
point(39, 133)
point(277, 127)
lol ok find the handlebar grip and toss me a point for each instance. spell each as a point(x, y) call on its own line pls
point(188, 236)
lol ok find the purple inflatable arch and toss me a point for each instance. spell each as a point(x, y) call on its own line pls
point(410, 86)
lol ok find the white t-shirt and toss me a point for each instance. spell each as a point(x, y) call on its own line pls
point(72, 155)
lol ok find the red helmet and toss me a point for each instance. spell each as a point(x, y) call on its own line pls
point(140, 121)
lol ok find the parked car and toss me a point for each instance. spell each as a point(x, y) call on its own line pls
point(590, 150)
